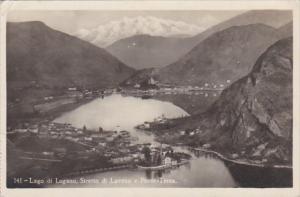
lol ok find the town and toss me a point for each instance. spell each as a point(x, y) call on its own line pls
point(99, 150)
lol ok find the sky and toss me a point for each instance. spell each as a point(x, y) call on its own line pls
point(71, 21)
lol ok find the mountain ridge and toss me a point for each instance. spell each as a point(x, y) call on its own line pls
point(223, 50)
point(145, 51)
point(170, 50)
point(224, 56)
point(286, 30)
point(38, 56)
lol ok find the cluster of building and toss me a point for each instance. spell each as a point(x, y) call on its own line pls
point(163, 121)
point(153, 84)
point(74, 92)
point(117, 146)
point(189, 90)
point(161, 157)
point(147, 125)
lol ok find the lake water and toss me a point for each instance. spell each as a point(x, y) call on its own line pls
point(117, 112)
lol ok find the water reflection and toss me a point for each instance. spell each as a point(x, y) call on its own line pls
point(201, 172)
point(193, 103)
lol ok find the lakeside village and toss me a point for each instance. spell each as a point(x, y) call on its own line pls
point(146, 88)
point(76, 151)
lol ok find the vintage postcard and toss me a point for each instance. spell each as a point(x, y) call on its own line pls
point(150, 98)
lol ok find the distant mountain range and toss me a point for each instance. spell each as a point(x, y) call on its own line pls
point(159, 49)
point(40, 57)
point(223, 57)
point(105, 35)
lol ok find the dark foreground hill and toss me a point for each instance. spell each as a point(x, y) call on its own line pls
point(253, 117)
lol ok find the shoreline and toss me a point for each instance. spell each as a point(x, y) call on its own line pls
point(97, 170)
point(239, 162)
point(52, 115)
point(248, 162)
point(72, 106)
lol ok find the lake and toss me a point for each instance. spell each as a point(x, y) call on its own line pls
point(118, 112)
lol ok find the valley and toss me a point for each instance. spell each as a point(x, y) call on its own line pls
point(148, 102)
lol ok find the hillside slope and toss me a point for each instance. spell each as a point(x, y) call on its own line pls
point(253, 117)
point(273, 18)
point(145, 51)
point(226, 55)
point(40, 56)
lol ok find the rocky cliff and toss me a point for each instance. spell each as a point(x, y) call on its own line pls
point(253, 117)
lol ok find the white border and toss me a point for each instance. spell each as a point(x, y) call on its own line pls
point(152, 5)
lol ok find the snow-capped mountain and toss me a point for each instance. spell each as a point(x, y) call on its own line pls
point(106, 34)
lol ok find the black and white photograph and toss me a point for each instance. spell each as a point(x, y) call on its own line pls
point(149, 98)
